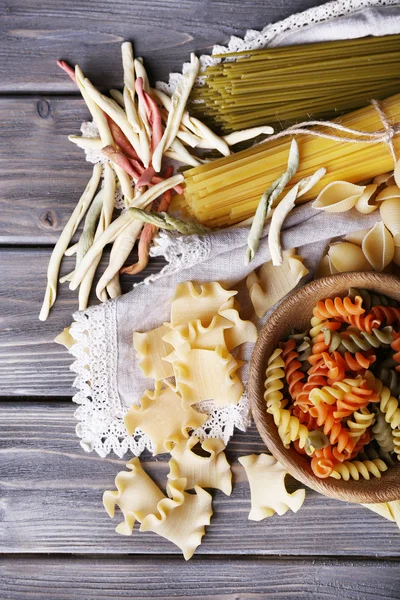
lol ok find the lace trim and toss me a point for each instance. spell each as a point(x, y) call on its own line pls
point(100, 413)
point(181, 252)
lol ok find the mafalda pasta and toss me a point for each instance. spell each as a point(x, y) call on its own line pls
point(323, 387)
point(190, 359)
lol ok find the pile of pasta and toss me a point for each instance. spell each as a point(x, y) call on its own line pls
point(333, 389)
point(375, 249)
point(190, 360)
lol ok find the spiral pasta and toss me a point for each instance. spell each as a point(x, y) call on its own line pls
point(370, 298)
point(383, 433)
point(337, 307)
point(274, 379)
point(292, 368)
point(350, 340)
point(357, 468)
point(336, 410)
point(289, 427)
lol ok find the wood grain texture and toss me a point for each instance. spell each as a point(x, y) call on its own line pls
point(42, 174)
point(51, 490)
point(34, 35)
point(30, 362)
point(234, 579)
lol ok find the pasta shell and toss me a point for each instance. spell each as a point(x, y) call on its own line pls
point(384, 178)
point(366, 202)
point(325, 267)
point(356, 237)
point(338, 196)
point(347, 257)
point(392, 191)
point(390, 214)
point(378, 247)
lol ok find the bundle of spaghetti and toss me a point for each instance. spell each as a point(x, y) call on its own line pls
point(283, 84)
point(226, 191)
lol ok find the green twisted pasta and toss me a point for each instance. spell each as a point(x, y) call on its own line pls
point(303, 348)
point(371, 298)
point(275, 376)
point(357, 468)
point(357, 340)
point(383, 433)
point(391, 378)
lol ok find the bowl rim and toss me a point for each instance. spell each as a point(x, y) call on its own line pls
point(362, 491)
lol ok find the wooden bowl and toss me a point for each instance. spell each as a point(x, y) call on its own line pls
point(295, 312)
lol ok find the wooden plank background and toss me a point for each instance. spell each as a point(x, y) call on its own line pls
point(56, 541)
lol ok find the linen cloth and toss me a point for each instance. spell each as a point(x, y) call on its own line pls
point(108, 378)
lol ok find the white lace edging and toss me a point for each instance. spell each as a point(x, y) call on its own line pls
point(101, 414)
point(180, 252)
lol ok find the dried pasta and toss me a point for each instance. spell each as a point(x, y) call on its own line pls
point(152, 348)
point(182, 518)
point(269, 284)
point(267, 486)
point(207, 375)
point(323, 390)
point(136, 496)
point(202, 302)
point(164, 418)
point(211, 471)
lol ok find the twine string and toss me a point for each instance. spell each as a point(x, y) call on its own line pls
point(385, 135)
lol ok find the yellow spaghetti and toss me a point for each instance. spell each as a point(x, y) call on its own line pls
point(226, 191)
point(276, 86)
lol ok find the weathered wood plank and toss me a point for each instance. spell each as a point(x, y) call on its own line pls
point(30, 362)
point(50, 501)
point(34, 35)
point(144, 578)
point(42, 174)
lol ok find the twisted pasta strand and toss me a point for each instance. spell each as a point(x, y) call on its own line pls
point(292, 368)
point(383, 433)
point(289, 427)
point(337, 307)
point(371, 298)
point(357, 468)
point(360, 421)
point(386, 314)
point(274, 380)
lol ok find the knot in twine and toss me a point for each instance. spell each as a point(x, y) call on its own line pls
point(385, 135)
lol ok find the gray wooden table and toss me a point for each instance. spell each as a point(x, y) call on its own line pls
point(56, 541)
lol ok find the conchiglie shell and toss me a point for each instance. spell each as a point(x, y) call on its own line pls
point(356, 237)
point(392, 191)
point(390, 214)
point(325, 268)
point(365, 204)
point(378, 247)
point(384, 178)
point(338, 196)
point(346, 257)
